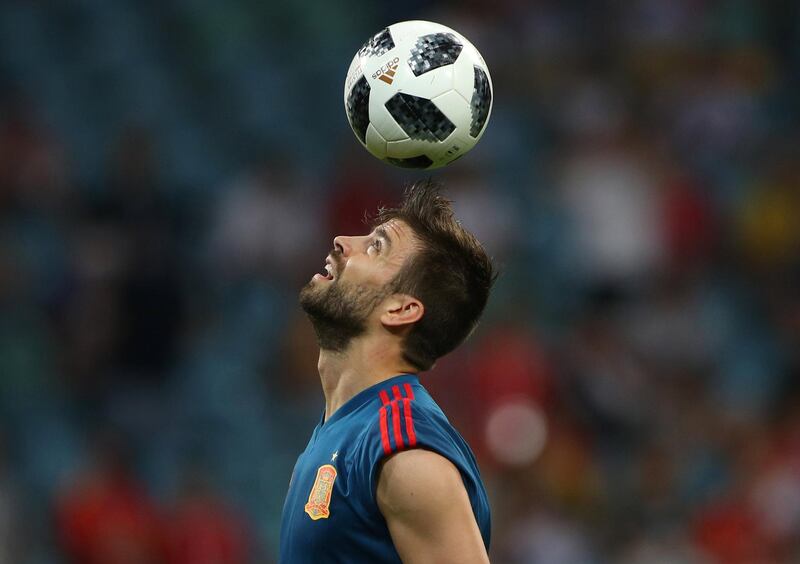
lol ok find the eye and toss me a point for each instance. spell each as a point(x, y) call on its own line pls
point(376, 244)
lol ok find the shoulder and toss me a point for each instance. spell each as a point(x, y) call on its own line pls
point(416, 479)
point(428, 510)
point(403, 417)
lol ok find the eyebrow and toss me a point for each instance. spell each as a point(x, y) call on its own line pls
point(383, 234)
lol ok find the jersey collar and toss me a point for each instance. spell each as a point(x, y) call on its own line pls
point(365, 396)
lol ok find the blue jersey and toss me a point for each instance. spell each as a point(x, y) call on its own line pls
point(331, 513)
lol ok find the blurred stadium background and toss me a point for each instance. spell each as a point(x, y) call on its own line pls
point(172, 171)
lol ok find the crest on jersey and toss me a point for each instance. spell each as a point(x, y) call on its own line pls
point(319, 500)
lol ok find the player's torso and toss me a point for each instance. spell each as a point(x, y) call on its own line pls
point(329, 514)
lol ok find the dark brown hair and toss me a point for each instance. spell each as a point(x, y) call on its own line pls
point(451, 274)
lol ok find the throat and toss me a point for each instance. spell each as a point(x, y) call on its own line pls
point(339, 380)
point(345, 374)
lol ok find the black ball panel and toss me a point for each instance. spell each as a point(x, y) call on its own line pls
point(420, 161)
point(358, 107)
point(419, 117)
point(377, 45)
point(481, 101)
point(433, 51)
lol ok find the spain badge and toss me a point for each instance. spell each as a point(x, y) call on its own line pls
point(319, 500)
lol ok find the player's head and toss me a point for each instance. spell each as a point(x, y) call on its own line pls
point(418, 275)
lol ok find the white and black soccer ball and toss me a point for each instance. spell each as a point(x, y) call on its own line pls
point(418, 95)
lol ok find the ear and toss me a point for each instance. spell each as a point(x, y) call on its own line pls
point(402, 309)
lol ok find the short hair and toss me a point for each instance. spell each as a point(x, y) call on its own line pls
point(451, 274)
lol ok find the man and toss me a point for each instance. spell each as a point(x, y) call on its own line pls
point(385, 477)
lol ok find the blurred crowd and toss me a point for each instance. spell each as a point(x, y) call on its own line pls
point(171, 173)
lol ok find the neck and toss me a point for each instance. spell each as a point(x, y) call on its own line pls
point(361, 365)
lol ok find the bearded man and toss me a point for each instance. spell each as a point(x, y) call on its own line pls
point(385, 476)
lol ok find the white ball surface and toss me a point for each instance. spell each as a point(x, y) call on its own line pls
point(418, 95)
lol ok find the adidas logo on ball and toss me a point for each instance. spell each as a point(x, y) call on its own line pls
point(386, 72)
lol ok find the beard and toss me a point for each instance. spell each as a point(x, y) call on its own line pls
point(339, 311)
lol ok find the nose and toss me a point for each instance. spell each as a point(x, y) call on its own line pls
point(342, 244)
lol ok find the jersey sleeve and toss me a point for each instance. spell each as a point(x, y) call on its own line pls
point(401, 423)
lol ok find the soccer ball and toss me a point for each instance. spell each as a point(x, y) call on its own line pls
point(418, 95)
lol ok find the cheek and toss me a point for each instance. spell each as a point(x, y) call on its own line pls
point(372, 275)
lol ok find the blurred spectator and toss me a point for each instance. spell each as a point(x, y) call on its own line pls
point(33, 167)
point(105, 515)
point(607, 379)
point(298, 378)
point(672, 327)
point(133, 212)
point(613, 202)
point(542, 538)
point(669, 548)
point(482, 210)
point(690, 225)
point(356, 191)
point(266, 225)
point(202, 529)
point(716, 111)
point(728, 532)
point(13, 537)
point(769, 228)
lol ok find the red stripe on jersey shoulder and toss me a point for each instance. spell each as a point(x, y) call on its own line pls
point(397, 425)
point(387, 447)
point(412, 436)
point(398, 434)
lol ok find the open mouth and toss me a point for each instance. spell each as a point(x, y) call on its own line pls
point(327, 271)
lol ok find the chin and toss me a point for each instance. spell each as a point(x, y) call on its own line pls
point(314, 290)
